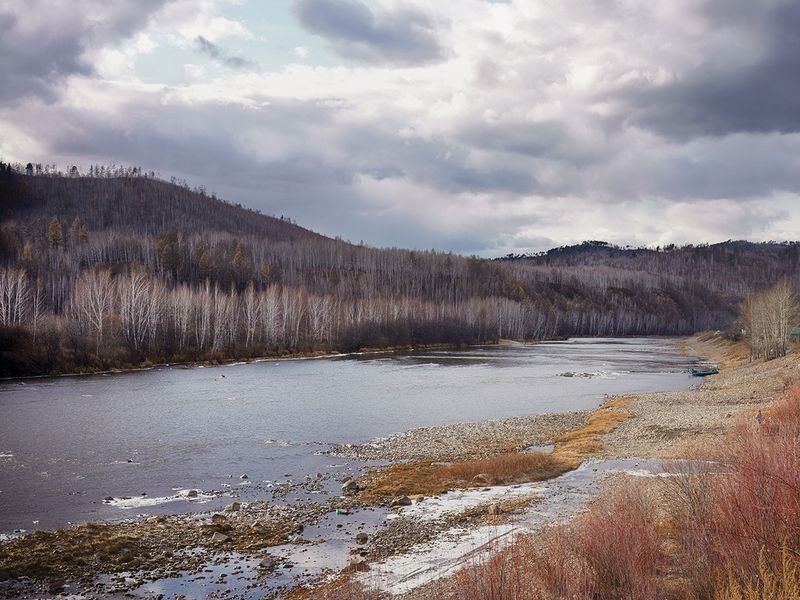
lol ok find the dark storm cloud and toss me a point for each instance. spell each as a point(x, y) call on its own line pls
point(751, 91)
point(43, 42)
point(28, 67)
point(355, 31)
point(213, 51)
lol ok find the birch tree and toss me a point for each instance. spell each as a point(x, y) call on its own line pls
point(92, 301)
point(14, 296)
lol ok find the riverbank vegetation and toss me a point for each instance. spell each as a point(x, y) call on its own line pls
point(116, 268)
point(725, 527)
point(429, 478)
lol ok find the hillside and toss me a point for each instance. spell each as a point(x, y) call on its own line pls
point(136, 204)
point(113, 271)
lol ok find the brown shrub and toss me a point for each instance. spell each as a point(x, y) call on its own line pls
point(611, 552)
point(727, 528)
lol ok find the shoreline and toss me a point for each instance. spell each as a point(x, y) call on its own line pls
point(314, 355)
point(663, 427)
point(320, 354)
point(486, 438)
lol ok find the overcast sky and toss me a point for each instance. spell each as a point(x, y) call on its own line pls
point(466, 125)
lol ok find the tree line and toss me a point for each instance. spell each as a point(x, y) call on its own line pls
point(113, 271)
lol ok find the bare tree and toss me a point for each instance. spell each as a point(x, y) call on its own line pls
point(14, 296)
point(139, 305)
point(92, 301)
point(767, 317)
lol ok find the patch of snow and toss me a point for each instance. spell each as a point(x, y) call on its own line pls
point(559, 500)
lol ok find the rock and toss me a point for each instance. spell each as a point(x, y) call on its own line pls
point(482, 479)
point(350, 487)
point(218, 519)
point(361, 539)
point(233, 507)
point(401, 501)
point(220, 538)
point(268, 564)
point(568, 374)
point(244, 476)
point(108, 499)
point(296, 527)
point(495, 509)
point(416, 498)
point(192, 494)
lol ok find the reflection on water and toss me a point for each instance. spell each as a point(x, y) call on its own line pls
point(67, 443)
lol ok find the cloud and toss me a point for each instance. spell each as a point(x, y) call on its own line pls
point(400, 36)
point(50, 41)
point(745, 79)
point(518, 127)
point(212, 50)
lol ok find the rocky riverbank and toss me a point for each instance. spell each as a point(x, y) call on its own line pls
point(658, 426)
point(665, 423)
point(265, 548)
point(460, 441)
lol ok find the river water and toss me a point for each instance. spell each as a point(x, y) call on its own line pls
point(67, 443)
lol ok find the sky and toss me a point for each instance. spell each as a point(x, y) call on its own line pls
point(474, 126)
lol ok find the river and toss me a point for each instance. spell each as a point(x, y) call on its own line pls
point(67, 443)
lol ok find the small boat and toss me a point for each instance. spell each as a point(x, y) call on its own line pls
point(704, 371)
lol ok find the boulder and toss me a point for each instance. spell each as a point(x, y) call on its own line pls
point(268, 564)
point(244, 476)
point(295, 527)
point(351, 487)
point(361, 539)
point(401, 501)
point(192, 494)
point(220, 538)
point(218, 519)
point(233, 507)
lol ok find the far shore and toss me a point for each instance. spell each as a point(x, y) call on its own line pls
point(311, 355)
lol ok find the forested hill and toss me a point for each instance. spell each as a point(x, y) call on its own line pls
point(136, 204)
point(122, 268)
point(733, 268)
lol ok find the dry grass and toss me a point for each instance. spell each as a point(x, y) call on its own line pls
point(343, 587)
point(738, 527)
point(613, 552)
point(428, 478)
point(704, 534)
point(767, 585)
point(586, 441)
point(431, 479)
point(722, 351)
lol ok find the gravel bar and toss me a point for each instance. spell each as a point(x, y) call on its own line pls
point(461, 441)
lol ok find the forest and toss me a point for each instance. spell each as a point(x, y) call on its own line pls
point(117, 268)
